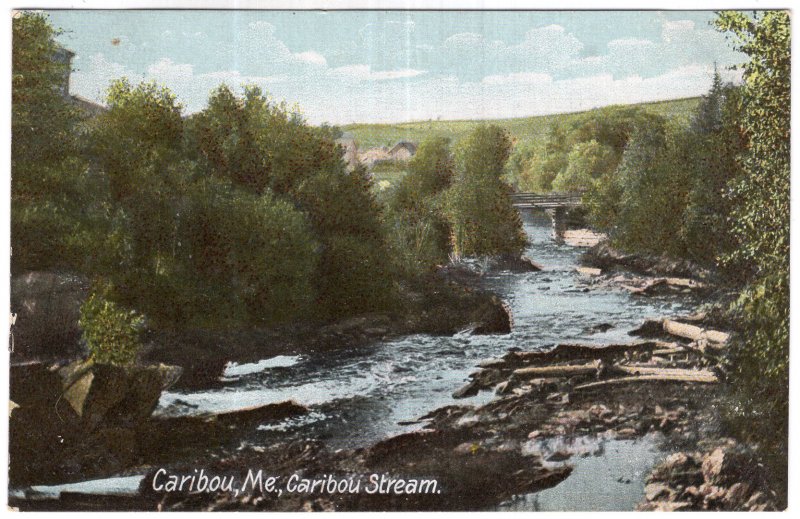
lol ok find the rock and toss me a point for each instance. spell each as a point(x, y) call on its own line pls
point(47, 305)
point(598, 328)
point(114, 394)
point(736, 496)
point(34, 384)
point(559, 456)
point(588, 271)
point(494, 317)
point(665, 506)
point(655, 491)
point(758, 502)
point(649, 328)
point(262, 413)
point(627, 433)
point(469, 389)
point(503, 388)
point(678, 468)
point(712, 495)
point(515, 264)
point(467, 448)
point(725, 467)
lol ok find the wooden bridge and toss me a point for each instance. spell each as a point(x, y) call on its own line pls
point(548, 201)
point(555, 205)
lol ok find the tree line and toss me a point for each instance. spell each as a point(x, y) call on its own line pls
point(239, 215)
point(715, 191)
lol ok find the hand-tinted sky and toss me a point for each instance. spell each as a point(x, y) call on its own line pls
point(376, 66)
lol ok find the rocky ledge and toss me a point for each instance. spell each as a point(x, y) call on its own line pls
point(728, 477)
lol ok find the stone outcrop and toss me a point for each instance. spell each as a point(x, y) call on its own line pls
point(726, 478)
point(47, 307)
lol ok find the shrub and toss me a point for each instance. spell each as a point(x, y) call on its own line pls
point(111, 332)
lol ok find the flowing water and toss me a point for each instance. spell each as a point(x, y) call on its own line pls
point(361, 395)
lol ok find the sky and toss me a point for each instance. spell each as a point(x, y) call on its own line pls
point(342, 67)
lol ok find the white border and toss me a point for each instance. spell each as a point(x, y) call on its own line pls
point(694, 5)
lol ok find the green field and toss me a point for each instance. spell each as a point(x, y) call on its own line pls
point(523, 129)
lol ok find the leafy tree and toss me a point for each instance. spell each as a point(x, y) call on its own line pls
point(478, 203)
point(261, 147)
point(586, 162)
point(713, 150)
point(416, 213)
point(48, 174)
point(111, 332)
point(243, 257)
point(761, 224)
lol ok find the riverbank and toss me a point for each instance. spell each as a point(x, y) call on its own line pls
point(485, 454)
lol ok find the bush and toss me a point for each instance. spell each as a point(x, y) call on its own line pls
point(111, 332)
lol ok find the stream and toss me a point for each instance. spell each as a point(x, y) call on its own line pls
point(363, 394)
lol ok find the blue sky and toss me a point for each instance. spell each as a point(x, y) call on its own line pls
point(385, 66)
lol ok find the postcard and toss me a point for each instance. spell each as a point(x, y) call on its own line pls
point(398, 259)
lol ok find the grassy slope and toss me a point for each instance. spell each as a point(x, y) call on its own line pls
point(523, 129)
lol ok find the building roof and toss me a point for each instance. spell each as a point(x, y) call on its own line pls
point(410, 146)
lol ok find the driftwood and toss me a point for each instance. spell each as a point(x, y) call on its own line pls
point(695, 333)
point(702, 379)
point(557, 371)
point(655, 370)
point(568, 352)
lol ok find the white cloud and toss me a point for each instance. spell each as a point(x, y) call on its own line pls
point(311, 57)
point(528, 78)
point(365, 73)
point(672, 31)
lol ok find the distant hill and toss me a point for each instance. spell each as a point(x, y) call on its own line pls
point(522, 129)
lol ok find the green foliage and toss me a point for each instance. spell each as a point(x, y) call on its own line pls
point(525, 131)
point(243, 257)
point(111, 332)
point(586, 162)
point(417, 222)
point(713, 146)
point(47, 200)
point(761, 222)
point(576, 155)
point(262, 148)
point(478, 205)
point(667, 196)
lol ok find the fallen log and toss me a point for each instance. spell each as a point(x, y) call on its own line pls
point(589, 271)
point(646, 378)
point(557, 371)
point(695, 333)
point(567, 352)
point(655, 370)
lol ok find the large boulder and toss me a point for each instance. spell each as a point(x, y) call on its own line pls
point(47, 307)
point(104, 393)
point(725, 466)
point(494, 317)
point(80, 420)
